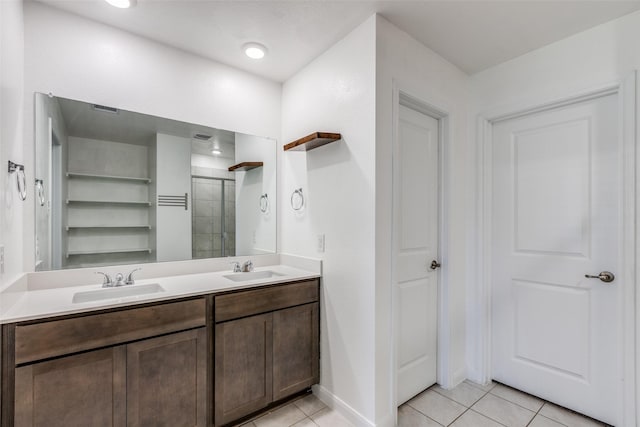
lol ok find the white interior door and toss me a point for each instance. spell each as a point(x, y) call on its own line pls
point(556, 216)
point(415, 247)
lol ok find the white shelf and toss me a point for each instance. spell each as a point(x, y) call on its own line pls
point(99, 264)
point(107, 251)
point(112, 202)
point(83, 227)
point(112, 177)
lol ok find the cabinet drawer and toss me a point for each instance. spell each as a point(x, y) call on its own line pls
point(58, 337)
point(248, 303)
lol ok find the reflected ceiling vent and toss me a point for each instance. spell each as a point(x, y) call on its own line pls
point(202, 136)
point(105, 109)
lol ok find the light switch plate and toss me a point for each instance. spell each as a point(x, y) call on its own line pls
point(320, 242)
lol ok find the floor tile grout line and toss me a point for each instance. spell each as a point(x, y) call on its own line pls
point(463, 404)
point(313, 413)
point(420, 412)
point(467, 408)
point(427, 416)
point(492, 419)
point(304, 419)
point(486, 416)
point(479, 387)
point(515, 403)
point(456, 418)
point(536, 414)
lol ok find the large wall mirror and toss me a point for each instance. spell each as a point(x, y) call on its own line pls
point(120, 187)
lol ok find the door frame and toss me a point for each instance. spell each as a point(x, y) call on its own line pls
point(54, 202)
point(401, 97)
point(629, 129)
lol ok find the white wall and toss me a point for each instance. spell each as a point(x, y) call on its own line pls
point(404, 64)
point(588, 60)
point(14, 214)
point(255, 230)
point(221, 163)
point(336, 93)
point(173, 224)
point(112, 67)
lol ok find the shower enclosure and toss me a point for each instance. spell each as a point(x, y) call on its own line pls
point(214, 217)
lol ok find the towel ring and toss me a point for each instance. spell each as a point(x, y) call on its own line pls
point(40, 191)
point(297, 200)
point(20, 178)
point(264, 203)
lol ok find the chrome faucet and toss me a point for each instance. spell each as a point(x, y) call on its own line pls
point(247, 266)
point(236, 267)
point(130, 280)
point(119, 280)
point(107, 282)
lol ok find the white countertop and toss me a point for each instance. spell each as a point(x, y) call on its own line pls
point(31, 304)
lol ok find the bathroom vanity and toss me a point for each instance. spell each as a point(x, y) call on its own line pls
point(199, 360)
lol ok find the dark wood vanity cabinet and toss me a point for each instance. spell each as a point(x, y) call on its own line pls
point(295, 349)
point(243, 354)
point(266, 347)
point(102, 370)
point(195, 362)
point(167, 380)
point(86, 389)
point(154, 382)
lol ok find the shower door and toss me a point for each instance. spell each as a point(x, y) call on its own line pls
point(214, 217)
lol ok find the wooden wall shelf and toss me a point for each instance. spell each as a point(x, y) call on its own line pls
point(245, 166)
point(315, 140)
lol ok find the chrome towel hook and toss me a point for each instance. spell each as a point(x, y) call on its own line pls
point(297, 200)
point(20, 178)
point(40, 191)
point(264, 203)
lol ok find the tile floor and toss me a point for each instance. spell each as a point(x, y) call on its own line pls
point(308, 411)
point(467, 405)
point(495, 405)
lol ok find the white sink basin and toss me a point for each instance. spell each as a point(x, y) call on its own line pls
point(119, 292)
point(252, 275)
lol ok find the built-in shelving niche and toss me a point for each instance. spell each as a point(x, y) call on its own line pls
point(108, 219)
point(315, 140)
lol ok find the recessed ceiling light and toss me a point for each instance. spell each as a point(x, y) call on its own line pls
point(216, 150)
point(254, 50)
point(122, 4)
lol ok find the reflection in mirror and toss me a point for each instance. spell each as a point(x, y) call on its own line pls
point(121, 187)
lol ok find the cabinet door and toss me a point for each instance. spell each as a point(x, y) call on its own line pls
point(83, 390)
point(296, 354)
point(166, 380)
point(243, 356)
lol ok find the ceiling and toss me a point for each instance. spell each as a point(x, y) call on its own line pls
point(473, 35)
point(84, 121)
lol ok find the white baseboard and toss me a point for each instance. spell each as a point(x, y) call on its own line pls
point(459, 376)
point(337, 404)
point(389, 421)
